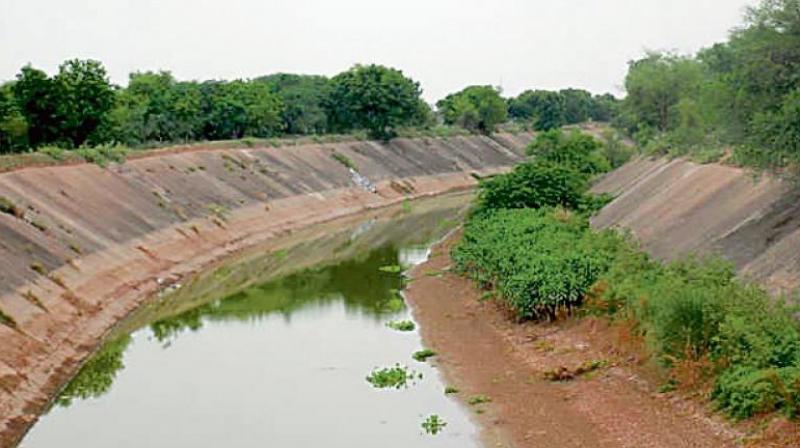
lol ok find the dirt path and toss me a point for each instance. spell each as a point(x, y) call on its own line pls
point(483, 352)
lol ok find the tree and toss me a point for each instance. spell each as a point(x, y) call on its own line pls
point(576, 150)
point(13, 127)
point(603, 108)
point(540, 183)
point(84, 98)
point(779, 132)
point(67, 108)
point(372, 97)
point(37, 98)
point(577, 105)
point(655, 86)
point(238, 109)
point(543, 108)
point(303, 96)
point(156, 108)
point(478, 108)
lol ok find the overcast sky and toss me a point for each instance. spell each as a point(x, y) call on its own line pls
point(444, 44)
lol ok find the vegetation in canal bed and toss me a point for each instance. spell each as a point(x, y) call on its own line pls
point(423, 355)
point(478, 399)
point(567, 374)
point(401, 325)
point(450, 390)
point(391, 269)
point(392, 377)
point(433, 424)
point(535, 251)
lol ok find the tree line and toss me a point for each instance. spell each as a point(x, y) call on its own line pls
point(740, 97)
point(78, 107)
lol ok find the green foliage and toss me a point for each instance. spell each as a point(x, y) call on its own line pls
point(372, 97)
point(545, 109)
point(450, 390)
point(9, 207)
point(97, 375)
point(536, 184)
point(423, 355)
point(695, 309)
point(68, 108)
point(477, 108)
point(344, 160)
point(575, 150)
point(401, 325)
point(103, 155)
point(743, 392)
point(433, 424)
point(236, 109)
point(521, 254)
point(478, 399)
point(615, 150)
point(156, 108)
point(656, 85)
point(742, 93)
point(391, 377)
point(577, 105)
point(391, 268)
point(13, 126)
point(303, 97)
point(54, 152)
point(604, 108)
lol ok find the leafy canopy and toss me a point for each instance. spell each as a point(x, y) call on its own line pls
point(478, 108)
point(373, 97)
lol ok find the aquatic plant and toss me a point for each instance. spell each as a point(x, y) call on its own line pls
point(395, 377)
point(423, 355)
point(401, 325)
point(433, 424)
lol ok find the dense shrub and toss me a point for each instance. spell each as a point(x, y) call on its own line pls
point(742, 392)
point(540, 258)
point(742, 94)
point(533, 185)
point(478, 108)
point(539, 261)
point(696, 309)
point(576, 150)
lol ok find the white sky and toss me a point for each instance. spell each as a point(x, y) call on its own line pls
point(444, 44)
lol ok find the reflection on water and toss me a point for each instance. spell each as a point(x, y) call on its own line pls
point(280, 363)
point(356, 283)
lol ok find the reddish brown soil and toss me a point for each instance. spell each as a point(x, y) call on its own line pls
point(483, 351)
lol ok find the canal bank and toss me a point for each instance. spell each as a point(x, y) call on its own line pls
point(274, 345)
point(107, 240)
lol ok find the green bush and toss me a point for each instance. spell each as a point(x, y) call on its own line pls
point(533, 185)
point(104, 154)
point(576, 150)
point(744, 391)
point(695, 308)
point(523, 255)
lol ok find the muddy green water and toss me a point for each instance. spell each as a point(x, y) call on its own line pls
point(233, 360)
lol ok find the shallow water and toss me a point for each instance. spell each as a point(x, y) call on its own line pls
point(280, 363)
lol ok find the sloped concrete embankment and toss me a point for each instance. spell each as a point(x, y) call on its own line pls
point(82, 246)
point(677, 207)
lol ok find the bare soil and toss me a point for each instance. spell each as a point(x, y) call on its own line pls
point(608, 397)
